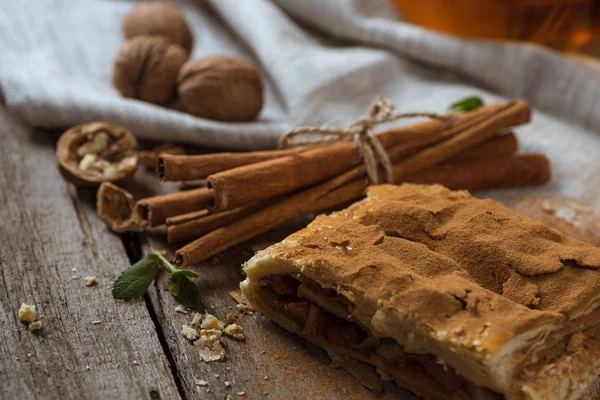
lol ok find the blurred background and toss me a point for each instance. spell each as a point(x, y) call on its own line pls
point(567, 25)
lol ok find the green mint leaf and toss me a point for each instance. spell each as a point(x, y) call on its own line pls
point(182, 289)
point(468, 104)
point(187, 272)
point(167, 263)
point(135, 280)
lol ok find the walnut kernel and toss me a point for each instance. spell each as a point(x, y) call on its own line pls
point(96, 152)
point(222, 88)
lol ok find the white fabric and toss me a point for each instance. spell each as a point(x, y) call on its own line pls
point(323, 62)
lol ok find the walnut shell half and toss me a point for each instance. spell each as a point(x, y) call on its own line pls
point(159, 18)
point(222, 88)
point(97, 152)
point(146, 68)
point(116, 208)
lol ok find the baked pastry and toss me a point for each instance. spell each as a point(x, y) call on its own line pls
point(451, 296)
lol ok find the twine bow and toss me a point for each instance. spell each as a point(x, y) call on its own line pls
point(360, 131)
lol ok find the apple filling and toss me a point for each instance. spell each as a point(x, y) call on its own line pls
point(325, 315)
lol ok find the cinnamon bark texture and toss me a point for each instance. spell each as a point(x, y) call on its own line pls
point(237, 187)
point(487, 173)
point(339, 190)
point(191, 226)
point(189, 168)
point(255, 182)
point(149, 158)
point(501, 145)
point(185, 168)
point(514, 113)
point(155, 210)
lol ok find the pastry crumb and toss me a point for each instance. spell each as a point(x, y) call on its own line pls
point(35, 325)
point(209, 354)
point(181, 309)
point(27, 313)
point(200, 382)
point(189, 333)
point(245, 308)
point(208, 337)
point(242, 302)
point(547, 207)
point(211, 322)
point(196, 319)
point(235, 331)
point(89, 280)
point(229, 318)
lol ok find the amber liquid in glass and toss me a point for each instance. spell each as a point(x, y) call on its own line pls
point(562, 24)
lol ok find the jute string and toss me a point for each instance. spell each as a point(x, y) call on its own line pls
point(361, 132)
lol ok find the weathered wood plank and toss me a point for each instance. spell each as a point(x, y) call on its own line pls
point(294, 368)
point(45, 233)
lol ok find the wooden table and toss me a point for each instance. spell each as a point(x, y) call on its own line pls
point(51, 238)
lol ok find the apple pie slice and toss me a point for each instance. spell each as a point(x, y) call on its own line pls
point(451, 296)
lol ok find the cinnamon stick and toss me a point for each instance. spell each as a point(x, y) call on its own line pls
point(256, 182)
point(514, 113)
point(191, 226)
point(507, 171)
point(155, 210)
point(252, 183)
point(501, 145)
point(149, 158)
point(188, 168)
point(338, 190)
point(184, 168)
point(487, 173)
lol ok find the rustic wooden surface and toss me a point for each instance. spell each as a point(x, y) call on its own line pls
point(137, 351)
point(47, 229)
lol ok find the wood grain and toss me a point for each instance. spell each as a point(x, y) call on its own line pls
point(46, 232)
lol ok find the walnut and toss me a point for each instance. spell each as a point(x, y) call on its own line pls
point(221, 88)
point(146, 68)
point(161, 18)
point(97, 152)
point(116, 208)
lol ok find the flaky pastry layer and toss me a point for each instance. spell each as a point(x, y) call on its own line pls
point(495, 296)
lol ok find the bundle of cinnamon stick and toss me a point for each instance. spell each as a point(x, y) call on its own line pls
point(248, 194)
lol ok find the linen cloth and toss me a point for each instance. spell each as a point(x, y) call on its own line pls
point(323, 62)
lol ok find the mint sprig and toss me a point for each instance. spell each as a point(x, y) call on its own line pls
point(135, 280)
point(468, 104)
